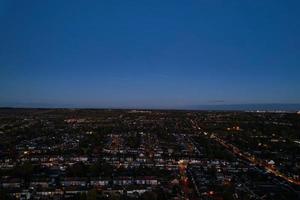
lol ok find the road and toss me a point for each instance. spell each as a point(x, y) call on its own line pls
point(244, 156)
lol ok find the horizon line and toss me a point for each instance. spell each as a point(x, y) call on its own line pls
point(201, 107)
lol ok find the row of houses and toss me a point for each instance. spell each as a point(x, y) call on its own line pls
point(78, 181)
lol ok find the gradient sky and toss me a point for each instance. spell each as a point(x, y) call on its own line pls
point(152, 53)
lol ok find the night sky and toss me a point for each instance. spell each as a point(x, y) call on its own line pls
point(160, 54)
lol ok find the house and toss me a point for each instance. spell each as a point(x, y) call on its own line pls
point(12, 183)
point(74, 181)
point(99, 182)
point(40, 182)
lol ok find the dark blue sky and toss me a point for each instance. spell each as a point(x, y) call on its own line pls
point(149, 53)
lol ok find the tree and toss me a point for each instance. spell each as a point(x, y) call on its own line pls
point(149, 196)
point(92, 194)
point(4, 195)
